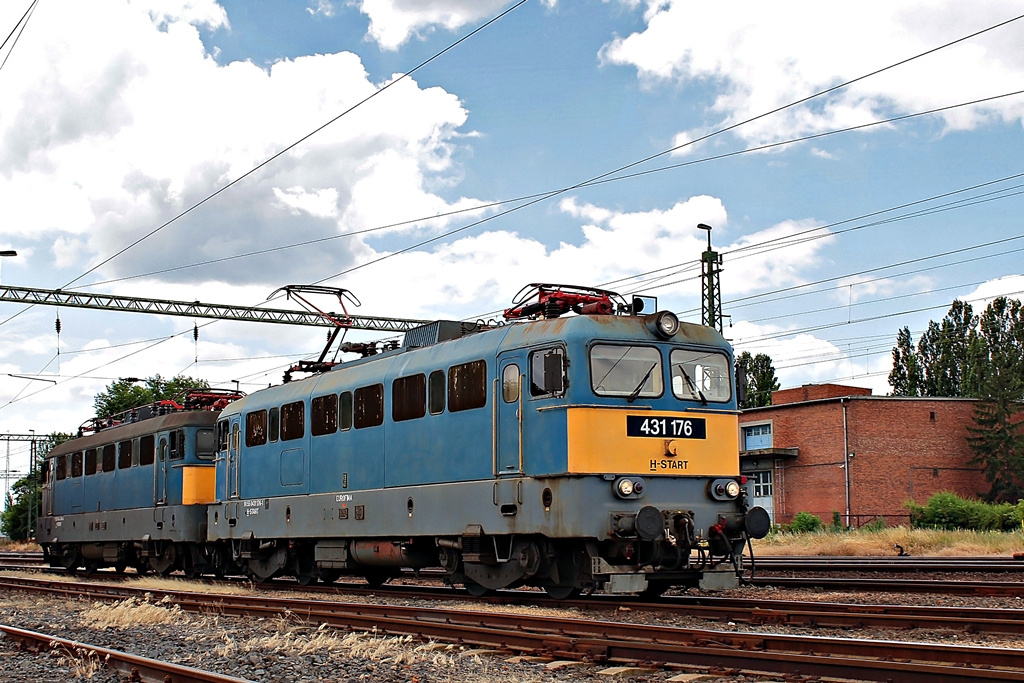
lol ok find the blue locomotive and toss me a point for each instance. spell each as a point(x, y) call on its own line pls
point(596, 451)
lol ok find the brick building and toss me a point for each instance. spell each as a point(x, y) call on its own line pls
point(831, 448)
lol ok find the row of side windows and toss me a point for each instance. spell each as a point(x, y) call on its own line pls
point(131, 453)
point(464, 387)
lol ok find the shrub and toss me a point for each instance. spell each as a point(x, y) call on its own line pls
point(946, 510)
point(804, 522)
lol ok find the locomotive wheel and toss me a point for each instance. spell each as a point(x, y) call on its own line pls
point(120, 567)
point(329, 575)
point(68, 558)
point(654, 590)
point(561, 592)
point(475, 589)
point(91, 566)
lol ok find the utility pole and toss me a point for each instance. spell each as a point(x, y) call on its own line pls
point(711, 293)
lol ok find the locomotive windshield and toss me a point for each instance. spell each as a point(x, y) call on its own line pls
point(630, 371)
point(700, 375)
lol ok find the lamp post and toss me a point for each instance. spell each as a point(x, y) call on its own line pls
point(7, 252)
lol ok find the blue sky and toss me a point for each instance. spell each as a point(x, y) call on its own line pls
point(115, 117)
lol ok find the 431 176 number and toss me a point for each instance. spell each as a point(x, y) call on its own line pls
point(666, 427)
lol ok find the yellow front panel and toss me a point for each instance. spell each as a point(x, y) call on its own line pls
point(598, 442)
point(197, 484)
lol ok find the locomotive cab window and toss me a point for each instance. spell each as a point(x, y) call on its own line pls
point(222, 435)
point(62, 467)
point(90, 461)
point(547, 372)
point(177, 444)
point(467, 386)
point(324, 415)
point(700, 375)
point(255, 429)
point(205, 444)
point(76, 464)
point(628, 371)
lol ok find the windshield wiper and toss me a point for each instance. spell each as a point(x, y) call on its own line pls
point(636, 392)
point(694, 391)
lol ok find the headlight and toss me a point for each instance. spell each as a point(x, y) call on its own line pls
point(663, 323)
point(628, 487)
point(724, 489)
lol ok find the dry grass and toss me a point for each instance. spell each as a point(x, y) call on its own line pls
point(132, 613)
point(883, 542)
point(19, 547)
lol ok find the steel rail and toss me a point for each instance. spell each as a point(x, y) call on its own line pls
point(195, 309)
point(946, 587)
point(890, 564)
point(139, 668)
point(605, 641)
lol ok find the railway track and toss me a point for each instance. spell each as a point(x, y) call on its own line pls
point(137, 668)
point(602, 640)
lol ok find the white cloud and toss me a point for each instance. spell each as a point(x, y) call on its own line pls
point(765, 55)
point(1011, 286)
point(117, 120)
point(393, 22)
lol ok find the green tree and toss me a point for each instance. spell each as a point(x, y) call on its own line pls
point(125, 394)
point(998, 437)
point(942, 353)
point(26, 500)
point(905, 377)
point(761, 379)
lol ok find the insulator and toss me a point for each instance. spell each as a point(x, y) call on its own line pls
point(57, 324)
point(195, 332)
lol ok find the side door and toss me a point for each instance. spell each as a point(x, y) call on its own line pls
point(160, 472)
point(234, 446)
point(509, 413)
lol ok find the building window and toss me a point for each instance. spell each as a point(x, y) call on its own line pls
point(757, 437)
point(761, 483)
point(409, 398)
point(324, 418)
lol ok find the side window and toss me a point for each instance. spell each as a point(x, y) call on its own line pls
point(345, 410)
point(324, 415)
point(510, 383)
point(62, 467)
point(177, 444)
point(76, 464)
point(409, 397)
point(547, 372)
point(109, 457)
point(205, 444)
point(90, 461)
point(147, 450)
point(368, 406)
point(467, 386)
point(124, 455)
point(255, 429)
point(274, 426)
point(222, 435)
point(702, 375)
point(436, 392)
point(293, 420)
